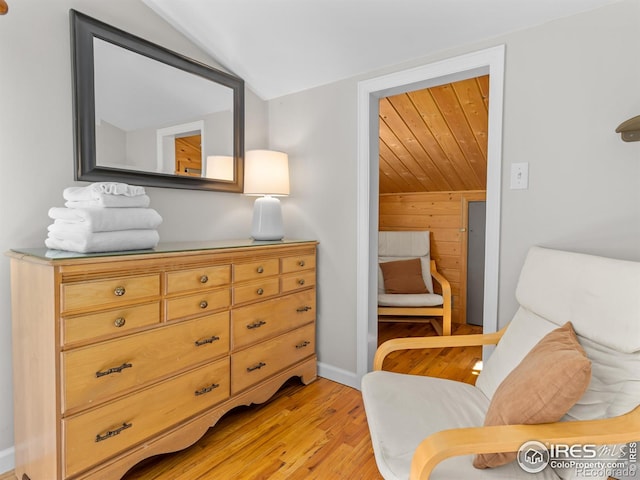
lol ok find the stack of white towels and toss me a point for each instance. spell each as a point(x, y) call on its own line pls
point(104, 217)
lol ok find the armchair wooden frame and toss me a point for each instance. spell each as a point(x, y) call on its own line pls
point(443, 311)
point(506, 438)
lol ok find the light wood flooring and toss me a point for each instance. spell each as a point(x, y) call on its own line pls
point(318, 431)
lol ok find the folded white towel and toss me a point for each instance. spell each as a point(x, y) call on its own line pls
point(97, 190)
point(112, 201)
point(102, 219)
point(104, 241)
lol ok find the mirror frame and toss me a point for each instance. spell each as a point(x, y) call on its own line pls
point(83, 30)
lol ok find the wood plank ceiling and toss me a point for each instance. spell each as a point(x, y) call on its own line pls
point(435, 139)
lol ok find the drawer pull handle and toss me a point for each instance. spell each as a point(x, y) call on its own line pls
point(119, 291)
point(208, 389)
point(301, 263)
point(114, 370)
point(301, 281)
point(256, 367)
point(204, 279)
point(212, 339)
point(306, 308)
point(260, 269)
point(303, 344)
point(257, 324)
point(119, 322)
point(260, 291)
point(113, 433)
point(204, 304)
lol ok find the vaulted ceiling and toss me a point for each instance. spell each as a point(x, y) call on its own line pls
point(284, 46)
point(435, 139)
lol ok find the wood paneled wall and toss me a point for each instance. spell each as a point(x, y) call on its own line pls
point(444, 214)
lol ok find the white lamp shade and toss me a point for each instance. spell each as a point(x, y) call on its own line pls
point(220, 167)
point(266, 173)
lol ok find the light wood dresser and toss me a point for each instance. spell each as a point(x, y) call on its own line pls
point(118, 357)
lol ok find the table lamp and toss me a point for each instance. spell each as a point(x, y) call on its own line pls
point(266, 173)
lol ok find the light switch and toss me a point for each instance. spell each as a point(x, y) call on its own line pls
point(519, 176)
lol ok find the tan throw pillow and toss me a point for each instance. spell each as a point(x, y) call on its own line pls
point(548, 381)
point(403, 276)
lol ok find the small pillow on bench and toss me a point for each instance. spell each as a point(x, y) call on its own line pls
point(548, 381)
point(403, 276)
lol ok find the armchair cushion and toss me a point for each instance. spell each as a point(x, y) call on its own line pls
point(402, 246)
point(409, 300)
point(541, 389)
point(403, 276)
point(404, 409)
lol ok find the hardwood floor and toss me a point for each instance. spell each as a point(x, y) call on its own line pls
point(309, 432)
point(452, 363)
point(313, 432)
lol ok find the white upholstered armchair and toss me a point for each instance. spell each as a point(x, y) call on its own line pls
point(405, 280)
point(565, 371)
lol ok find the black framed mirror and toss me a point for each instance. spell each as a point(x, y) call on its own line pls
point(148, 116)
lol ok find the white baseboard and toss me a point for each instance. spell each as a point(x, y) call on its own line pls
point(339, 375)
point(7, 460)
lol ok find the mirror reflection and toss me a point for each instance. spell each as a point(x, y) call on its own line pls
point(154, 118)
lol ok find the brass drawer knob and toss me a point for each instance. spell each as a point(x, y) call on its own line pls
point(119, 291)
point(260, 269)
point(204, 304)
point(301, 263)
point(260, 291)
point(301, 281)
point(119, 322)
point(204, 279)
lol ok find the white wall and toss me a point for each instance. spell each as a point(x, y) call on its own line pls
point(36, 146)
point(317, 128)
point(568, 85)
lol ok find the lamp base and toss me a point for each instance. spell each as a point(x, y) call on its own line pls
point(267, 219)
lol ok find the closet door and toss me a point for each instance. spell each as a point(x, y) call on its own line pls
point(475, 262)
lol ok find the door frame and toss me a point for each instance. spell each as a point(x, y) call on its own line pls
point(488, 61)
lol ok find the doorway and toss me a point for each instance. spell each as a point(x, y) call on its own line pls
point(489, 61)
point(433, 164)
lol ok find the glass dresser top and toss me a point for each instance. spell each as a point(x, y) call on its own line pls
point(168, 247)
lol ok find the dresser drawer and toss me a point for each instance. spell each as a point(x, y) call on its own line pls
point(254, 364)
point(199, 303)
point(296, 281)
point(297, 263)
point(94, 436)
point(252, 271)
point(111, 322)
point(105, 369)
point(256, 290)
point(198, 279)
point(109, 292)
point(254, 323)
